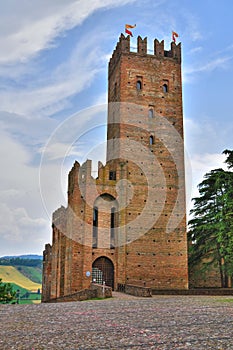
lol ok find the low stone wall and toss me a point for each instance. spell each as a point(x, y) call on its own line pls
point(101, 291)
point(95, 291)
point(137, 291)
point(194, 291)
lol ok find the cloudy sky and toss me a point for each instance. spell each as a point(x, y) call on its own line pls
point(53, 73)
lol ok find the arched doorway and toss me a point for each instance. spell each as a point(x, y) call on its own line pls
point(103, 271)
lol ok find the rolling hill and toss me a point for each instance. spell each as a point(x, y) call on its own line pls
point(12, 275)
point(33, 273)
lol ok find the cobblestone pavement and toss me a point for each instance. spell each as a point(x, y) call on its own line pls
point(161, 322)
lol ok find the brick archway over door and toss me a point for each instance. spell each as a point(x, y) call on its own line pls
point(103, 271)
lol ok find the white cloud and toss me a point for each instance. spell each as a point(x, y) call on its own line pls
point(208, 161)
point(201, 164)
point(207, 63)
point(17, 225)
point(22, 217)
point(76, 138)
point(27, 28)
point(102, 99)
point(205, 143)
point(59, 150)
point(31, 131)
point(207, 66)
point(195, 50)
point(35, 91)
point(205, 133)
point(192, 29)
point(20, 232)
point(53, 92)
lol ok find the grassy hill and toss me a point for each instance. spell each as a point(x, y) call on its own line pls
point(33, 273)
point(12, 275)
point(29, 265)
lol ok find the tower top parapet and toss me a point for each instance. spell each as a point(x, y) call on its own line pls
point(123, 46)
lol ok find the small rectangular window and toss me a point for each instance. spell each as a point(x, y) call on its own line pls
point(112, 175)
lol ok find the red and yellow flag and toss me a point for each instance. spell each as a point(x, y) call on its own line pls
point(174, 36)
point(127, 26)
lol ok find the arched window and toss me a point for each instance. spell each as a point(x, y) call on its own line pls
point(112, 236)
point(151, 113)
point(105, 223)
point(95, 228)
point(165, 88)
point(151, 140)
point(115, 89)
point(139, 85)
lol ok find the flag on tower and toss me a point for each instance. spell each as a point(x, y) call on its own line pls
point(174, 36)
point(127, 26)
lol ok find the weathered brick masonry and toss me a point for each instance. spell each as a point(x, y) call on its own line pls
point(128, 226)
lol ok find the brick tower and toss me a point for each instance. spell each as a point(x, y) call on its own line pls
point(128, 226)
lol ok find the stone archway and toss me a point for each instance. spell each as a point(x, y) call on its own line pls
point(103, 271)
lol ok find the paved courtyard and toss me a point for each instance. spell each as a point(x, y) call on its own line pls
point(123, 322)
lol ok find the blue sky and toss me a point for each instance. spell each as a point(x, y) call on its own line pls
point(53, 74)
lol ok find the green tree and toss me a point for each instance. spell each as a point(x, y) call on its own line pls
point(6, 292)
point(229, 160)
point(211, 228)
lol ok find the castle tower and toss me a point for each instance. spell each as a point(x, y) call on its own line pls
point(128, 226)
point(145, 135)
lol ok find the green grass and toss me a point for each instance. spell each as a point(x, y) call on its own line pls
point(16, 287)
point(24, 302)
point(33, 273)
point(225, 300)
point(95, 299)
point(34, 296)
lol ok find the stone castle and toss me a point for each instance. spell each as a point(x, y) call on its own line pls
point(128, 225)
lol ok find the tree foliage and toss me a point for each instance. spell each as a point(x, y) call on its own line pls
point(21, 262)
point(211, 228)
point(6, 292)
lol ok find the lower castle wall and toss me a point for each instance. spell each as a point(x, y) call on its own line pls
point(95, 291)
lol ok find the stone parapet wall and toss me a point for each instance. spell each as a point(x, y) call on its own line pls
point(95, 291)
point(101, 291)
point(137, 291)
point(194, 291)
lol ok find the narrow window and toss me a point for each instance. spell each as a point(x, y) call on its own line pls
point(139, 85)
point(112, 175)
point(151, 113)
point(151, 140)
point(95, 228)
point(165, 88)
point(112, 241)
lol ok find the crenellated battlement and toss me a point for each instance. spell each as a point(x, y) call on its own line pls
point(142, 45)
point(59, 214)
point(123, 46)
point(59, 219)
